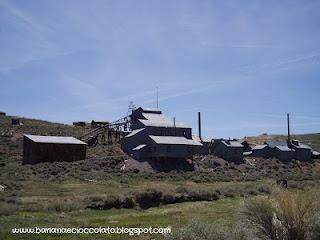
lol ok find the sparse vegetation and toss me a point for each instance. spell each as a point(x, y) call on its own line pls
point(286, 215)
point(197, 230)
point(96, 192)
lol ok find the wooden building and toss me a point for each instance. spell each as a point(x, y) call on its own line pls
point(230, 150)
point(302, 151)
point(52, 148)
point(156, 136)
point(263, 151)
point(79, 124)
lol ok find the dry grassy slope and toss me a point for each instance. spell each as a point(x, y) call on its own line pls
point(312, 139)
point(11, 139)
point(33, 126)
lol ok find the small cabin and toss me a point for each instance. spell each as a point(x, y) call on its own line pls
point(79, 124)
point(230, 150)
point(15, 121)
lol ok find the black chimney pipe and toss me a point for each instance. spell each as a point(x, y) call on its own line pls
point(199, 124)
point(288, 121)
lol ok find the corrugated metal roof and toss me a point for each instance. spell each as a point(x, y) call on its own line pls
point(159, 120)
point(300, 145)
point(134, 132)
point(54, 139)
point(174, 140)
point(257, 147)
point(247, 153)
point(284, 148)
point(315, 153)
point(139, 147)
point(197, 138)
point(272, 143)
point(232, 143)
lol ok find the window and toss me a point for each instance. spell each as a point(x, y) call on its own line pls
point(184, 133)
point(154, 148)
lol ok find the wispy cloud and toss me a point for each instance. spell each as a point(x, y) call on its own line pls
point(182, 92)
point(313, 58)
point(34, 44)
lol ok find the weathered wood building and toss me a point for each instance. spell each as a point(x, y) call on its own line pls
point(283, 150)
point(52, 148)
point(263, 151)
point(302, 151)
point(156, 136)
point(230, 150)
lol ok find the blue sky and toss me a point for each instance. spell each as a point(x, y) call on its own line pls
point(243, 64)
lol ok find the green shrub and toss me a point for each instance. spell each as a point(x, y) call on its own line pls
point(8, 209)
point(128, 202)
point(259, 213)
point(149, 198)
point(202, 196)
point(63, 205)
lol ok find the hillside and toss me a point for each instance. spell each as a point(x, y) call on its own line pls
point(312, 139)
point(105, 158)
point(69, 190)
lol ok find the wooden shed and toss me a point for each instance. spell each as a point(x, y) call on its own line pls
point(79, 124)
point(263, 151)
point(283, 153)
point(230, 150)
point(302, 151)
point(52, 148)
point(15, 121)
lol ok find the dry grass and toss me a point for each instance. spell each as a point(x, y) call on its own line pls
point(286, 215)
point(295, 211)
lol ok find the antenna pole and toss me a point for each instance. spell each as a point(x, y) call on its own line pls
point(157, 98)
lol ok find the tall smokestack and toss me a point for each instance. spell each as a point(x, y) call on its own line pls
point(288, 121)
point(199, 124)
